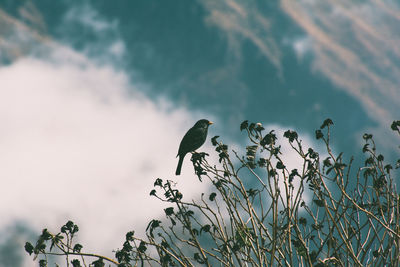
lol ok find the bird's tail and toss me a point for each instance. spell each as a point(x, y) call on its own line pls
point(178, 168)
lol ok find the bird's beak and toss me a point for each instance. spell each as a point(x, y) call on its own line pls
point(210, 122)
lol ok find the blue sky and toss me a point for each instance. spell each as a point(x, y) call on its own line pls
point(96, 95)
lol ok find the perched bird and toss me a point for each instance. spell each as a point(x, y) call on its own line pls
point(193, 139)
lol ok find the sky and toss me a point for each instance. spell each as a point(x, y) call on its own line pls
point(95, 97)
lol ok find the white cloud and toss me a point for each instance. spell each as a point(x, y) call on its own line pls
point(242, 20)
point(102, 40)
point(79, 142)
point(302, 46)
point(87, 16)
point(117, 48)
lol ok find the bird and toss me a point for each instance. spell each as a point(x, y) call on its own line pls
point(193, 139)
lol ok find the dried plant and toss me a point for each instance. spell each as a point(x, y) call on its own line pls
point(261, 213)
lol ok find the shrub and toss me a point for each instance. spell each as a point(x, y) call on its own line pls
point(260, 212)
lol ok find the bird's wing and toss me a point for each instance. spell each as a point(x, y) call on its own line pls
point(192, 140)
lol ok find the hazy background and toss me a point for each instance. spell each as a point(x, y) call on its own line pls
point(95, 97)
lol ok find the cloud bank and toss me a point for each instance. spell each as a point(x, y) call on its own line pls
point(79, 142)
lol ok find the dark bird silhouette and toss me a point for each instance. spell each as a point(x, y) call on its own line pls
point(193, 139)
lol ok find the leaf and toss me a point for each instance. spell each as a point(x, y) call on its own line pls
point(252, 126)
point(40, 246)
point(98, 263)
point(252, 192)
point(244, 125)
point(212, 196)
point(75, 229)
point(319, 202)
point(45, 235)
point(251, 164)
point(250, 158)
point(326, 123)
point(127, 246)
point(395, 125)
point(198, 258)
point(153, 224)
point(195, 231)
point(178, 196)
point(142, 247)
point(367, 136)
point(318, 134)
point(365, 148)
point(129, 236)
point(158, 182)
point(165, 260)
point(276, 150)
point(339, 166)
point(29, 248)
point(251, 150)
point(76, 263)
point(293, 174)
point(189, 213)
point(43, 263)
point(206, 228)
point(169, 211)
point(312, 154)
point(214, 141)
point(279, 165)
point(268, 139)
point(291, 135)
point(388, 167)
point(69, 225)
point(221, 147)
point(369, 161)
point(327, 162)
point(259, 127)
point(77, 248)
point(262, 162)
